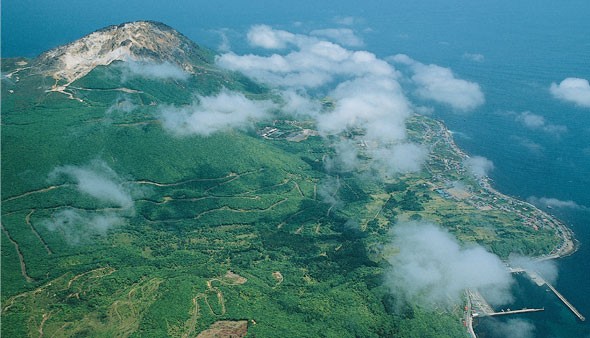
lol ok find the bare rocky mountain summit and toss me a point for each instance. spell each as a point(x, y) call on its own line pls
point(138, 41)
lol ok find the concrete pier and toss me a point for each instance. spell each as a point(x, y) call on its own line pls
point(540, 281)
point(510, 312)
point(565, 301)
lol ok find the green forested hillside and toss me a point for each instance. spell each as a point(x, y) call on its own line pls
point(227, 226)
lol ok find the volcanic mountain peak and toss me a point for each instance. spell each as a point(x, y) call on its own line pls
point(140, 40)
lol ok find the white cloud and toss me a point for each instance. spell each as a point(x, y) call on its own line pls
point(121, 108)
point(512, 328)
point(531, 120)
point(311, 64)
point(366, 94)
point(7, 79)
point(77, 225)
point(151, 70)
point(343, 36)
point(346, 157)
point(432, 269)
point(375, 104)
point(474, 57)
point(276, 69)
point(440, 84)
point(400, 158)
point(553, 202)
point(224, 45)
point(573, 90)
point(538, 122)
point(101, 182)
point(344, 20)
point(299, 104)
point(97, 180)
point(533, 147)
point(370, 96)
point(209, 114)
point(479, 166)
point(546, 269)
point(328, 191)
point(266, 37)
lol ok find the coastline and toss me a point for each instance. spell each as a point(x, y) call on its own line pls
point(567, 247)
point(569, 244)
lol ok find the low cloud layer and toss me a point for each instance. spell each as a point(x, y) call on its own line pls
point(299, 104)
point(121, 105)
point(149, 70)
point(400, 158)
point(474, 57)
point(479, 166)
point(432, 269)
point(375, 104)
point(264, 36)
point(511, 328)
point(572, 90)
point(553, 202)
point(533, 147)
point(547, 269)
point(538, 122)
point(440, 84)
point(345, 20)
point(346, 157)
point(120, 109)
point(310, 63)
point(100, 182)
point(224, 44)
point(78, 225)
point(209, 114)
point(328, 191)
point(97, 180)
point(343, 36)
point(364, 89)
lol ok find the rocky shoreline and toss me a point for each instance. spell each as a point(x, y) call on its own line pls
point(569, 244)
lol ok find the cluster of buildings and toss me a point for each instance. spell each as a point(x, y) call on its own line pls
point(298, 135)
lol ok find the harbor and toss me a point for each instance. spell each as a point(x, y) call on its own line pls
point(540, 281)
point(478, 308)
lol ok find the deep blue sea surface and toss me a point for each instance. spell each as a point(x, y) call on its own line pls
point(526, 45)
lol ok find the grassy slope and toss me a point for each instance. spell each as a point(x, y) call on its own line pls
point(149, 276)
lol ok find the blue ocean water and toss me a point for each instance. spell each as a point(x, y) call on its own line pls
point(526, 45)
